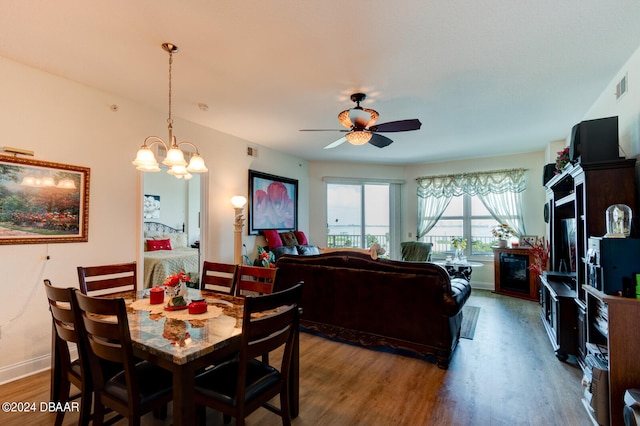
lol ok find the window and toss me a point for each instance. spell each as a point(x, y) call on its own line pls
point(360, 214)
point(463, 205)
point(466, 217)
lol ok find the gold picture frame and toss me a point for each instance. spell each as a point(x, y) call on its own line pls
point(43, 202)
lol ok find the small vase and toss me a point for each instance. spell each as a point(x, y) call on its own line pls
point(502, 243)
point(179, 289)
point(459, 254)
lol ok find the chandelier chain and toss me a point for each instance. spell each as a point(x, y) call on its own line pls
point(169, 120)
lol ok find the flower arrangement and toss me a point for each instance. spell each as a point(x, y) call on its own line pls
point(503, 232)
point(265, 258)
point(176, 289)
point(175, 279)
point(540, 252)
point(458, 243)
point(562, 160)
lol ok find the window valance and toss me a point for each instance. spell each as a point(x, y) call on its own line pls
point(477, 183)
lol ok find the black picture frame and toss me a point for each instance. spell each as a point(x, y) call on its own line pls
point(43, 202)
point(273, 203)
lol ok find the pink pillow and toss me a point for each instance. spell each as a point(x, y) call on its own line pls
point(154, 245)
point(273, 239)
point(302, 239)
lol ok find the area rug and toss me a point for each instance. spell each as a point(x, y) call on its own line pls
point(469, 321)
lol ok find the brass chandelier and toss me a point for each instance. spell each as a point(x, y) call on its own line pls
point(146, 159)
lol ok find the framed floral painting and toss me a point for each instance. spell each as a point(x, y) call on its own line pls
point(273, 202)
point(43, 202)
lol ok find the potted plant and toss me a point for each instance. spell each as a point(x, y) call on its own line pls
point(459, 244)
point(503, 233)
point(540, 253)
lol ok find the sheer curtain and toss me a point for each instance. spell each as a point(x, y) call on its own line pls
point(500, 191)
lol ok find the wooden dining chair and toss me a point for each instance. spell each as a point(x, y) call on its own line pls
point(65, 372)
point(255, 279)
point(107, 279)
point(243, 384)
point(141, 387)
point(218, 277)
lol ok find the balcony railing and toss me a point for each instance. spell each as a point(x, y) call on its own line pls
point(441, 243)
point(352, 240)
point(479, 245)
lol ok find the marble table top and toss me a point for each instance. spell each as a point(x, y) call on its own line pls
point(180, 337)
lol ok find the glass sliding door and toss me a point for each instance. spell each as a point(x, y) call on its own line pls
point(358, 215)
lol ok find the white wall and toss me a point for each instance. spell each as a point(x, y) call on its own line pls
point(66, 122)
point(627, 108)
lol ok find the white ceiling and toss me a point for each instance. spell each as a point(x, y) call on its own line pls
point(485, 77)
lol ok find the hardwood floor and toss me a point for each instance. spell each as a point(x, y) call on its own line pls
point(507, 375)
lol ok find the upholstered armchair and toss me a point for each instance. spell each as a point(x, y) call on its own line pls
point(416, 251)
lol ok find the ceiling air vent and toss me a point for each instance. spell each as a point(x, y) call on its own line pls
point(252, 152)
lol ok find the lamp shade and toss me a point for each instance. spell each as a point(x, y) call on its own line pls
point(178, 171)
point(145, 160)
point(238, 201)
point(175, 157)
point(196, 164)
point(359, 137)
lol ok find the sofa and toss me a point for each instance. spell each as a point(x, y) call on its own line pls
point(407, 306)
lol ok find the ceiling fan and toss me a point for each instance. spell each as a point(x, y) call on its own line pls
point(362, 128)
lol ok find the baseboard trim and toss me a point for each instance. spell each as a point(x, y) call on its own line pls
point(483, 286)
point(30, 367)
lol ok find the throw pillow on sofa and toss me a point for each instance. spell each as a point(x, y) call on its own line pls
point(307, 250)
point(288, 239)
point(279, 251)
point(302, 239)
point(273, 238)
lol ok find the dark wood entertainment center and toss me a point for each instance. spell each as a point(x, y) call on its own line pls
point(577, 200)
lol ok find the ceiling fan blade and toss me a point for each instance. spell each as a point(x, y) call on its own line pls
point(336, 143)
point(379, 140)
point(397, 126)
point(324, 130)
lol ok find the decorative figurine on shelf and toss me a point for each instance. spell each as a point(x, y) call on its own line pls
point(618, 221)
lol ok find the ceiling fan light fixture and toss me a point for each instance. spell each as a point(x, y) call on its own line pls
point(358, 137)
point(344, 119)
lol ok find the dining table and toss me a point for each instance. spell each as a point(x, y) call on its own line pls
point(187, 343)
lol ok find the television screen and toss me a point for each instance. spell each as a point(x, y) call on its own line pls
point(569, 244)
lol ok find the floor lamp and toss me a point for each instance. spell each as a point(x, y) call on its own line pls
point(238, 202)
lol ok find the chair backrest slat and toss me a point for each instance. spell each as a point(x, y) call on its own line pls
point(275, 324)
point(61, 311)
point(255, 279)
point(116, 277)
point(106, 328)
point(218, 276)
